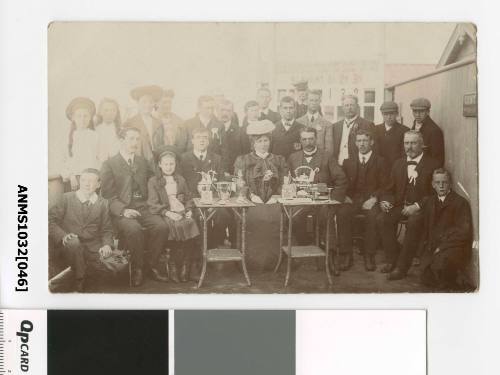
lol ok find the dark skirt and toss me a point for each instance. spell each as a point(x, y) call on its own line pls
point(181, 230)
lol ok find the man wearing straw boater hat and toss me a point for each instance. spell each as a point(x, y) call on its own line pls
point(146, 98)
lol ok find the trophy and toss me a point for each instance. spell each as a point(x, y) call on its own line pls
point(205, 187)
point(224, 191)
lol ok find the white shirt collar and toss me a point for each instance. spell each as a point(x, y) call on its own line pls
point(315, 114)
point(349, 122)
point(227, 125)
point(387, 128)
point(92, 199)
point(417, 159)
point(285, 122)
point(200, 153)
point(126, 156)
point(204, 121)
point(367, 156)
point(311, 152)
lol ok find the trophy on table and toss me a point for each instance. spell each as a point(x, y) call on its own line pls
point(205, 186)
point(224, 191)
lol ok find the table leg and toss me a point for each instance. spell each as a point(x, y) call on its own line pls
point(243, 224)
point(205, 246)
point(289, 245)
point(280, 256)
point(316, 219)
point(327, 244)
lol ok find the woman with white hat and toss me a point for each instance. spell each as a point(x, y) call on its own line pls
point(263, 172)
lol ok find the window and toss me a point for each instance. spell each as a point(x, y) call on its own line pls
point(369, 96)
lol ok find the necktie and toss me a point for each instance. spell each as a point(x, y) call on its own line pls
point(201, 157)
point(363, 160)
point(312, 118)
point(411, 162)
point(129, 162)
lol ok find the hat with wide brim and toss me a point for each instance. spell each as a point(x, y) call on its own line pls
point(420, 103)
point(389, 107)
point(260, 127)
point(154, 91)
point(80, 102)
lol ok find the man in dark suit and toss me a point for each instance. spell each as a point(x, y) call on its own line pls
point(80, 225)
point(205, 118)
point(328, 172)
point(313, 118)
point(403, 198)
point(301, 88)
point(448, 234)
point(367, 174)
point(389, 135)
point(264, 99)
point(344, 140)
point(432, 133)
point(286, 135)
point(124, 184)
point(201, 159)
point(232, 138)
point(146, 97)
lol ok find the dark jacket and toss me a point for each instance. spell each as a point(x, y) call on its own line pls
point(337, 130)
point(390, 143)
point(285, 142)
point(448, 224)
point(158, 202)
point(93, 230)
point(234, 144)
point(329, 171)
point(180, 134)
point(433, 140)
point(191, 167)
point(376, 176)
point(215, 133)
point(271, 116)
point(394, 191)
point(117, 178)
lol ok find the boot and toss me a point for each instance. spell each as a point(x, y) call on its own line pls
point(173, 271)
point(346, 262)
point(185, 271)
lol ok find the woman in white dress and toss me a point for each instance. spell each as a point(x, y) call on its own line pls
point(108, 126)
point(82, 141)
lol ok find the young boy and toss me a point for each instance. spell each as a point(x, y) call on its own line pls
point(81, 225)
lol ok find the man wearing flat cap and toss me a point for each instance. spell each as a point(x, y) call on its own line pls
point(314, 119)
point(344, 131)
point(301, 88)
point(205, 118)
point(390, 134)
point(146, 97)
point(286, 135)
point(432, 133)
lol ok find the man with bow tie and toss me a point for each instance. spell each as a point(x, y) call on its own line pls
point(286, 135)
point(448, 234)
point(205, 118)
point(313, 118)
point(124, 184)
point(328, 172)
point(367, 174)
point(344, 140)
point(403, 198)
point(80, 226)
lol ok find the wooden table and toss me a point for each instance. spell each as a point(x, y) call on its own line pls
point(207, 211)
point(291, 208)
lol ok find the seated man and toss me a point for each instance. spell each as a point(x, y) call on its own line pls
point(81, 225)
point(193, 163)
point(403, 198)
point(327, 171)
point(124, 184)
point(448, 234)
point(367, 174)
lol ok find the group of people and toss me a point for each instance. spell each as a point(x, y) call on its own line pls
point(136, 181)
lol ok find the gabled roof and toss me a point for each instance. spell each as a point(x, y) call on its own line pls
point(463, 35)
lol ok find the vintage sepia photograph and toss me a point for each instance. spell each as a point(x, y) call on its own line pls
point(211, 157)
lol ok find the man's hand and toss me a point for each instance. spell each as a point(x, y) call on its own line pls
point(369, 203)
point(437, 251)
point(348, 200)
point(129, 213)
point(410, 210)
point(385, 206)
point(68, 237)
point(255, 198)
point(173, 215)
point(105, 251)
